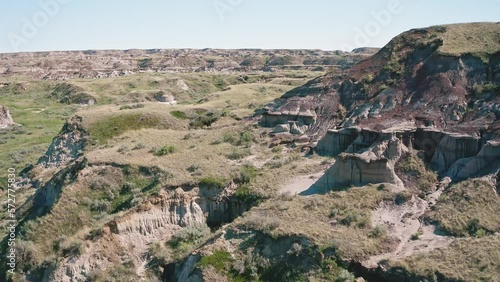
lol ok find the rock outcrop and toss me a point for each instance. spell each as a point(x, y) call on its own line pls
point(485, 162)
point(457, 156)
point(175, 208)
point(369, 159)
point(5, 118)
point(67, 146)
point(420, 89)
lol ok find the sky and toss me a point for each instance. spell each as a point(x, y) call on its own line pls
point(50, 25)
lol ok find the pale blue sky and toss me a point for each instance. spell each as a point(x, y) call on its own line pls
point(311, 24)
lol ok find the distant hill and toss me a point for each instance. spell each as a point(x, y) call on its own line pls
point(112, 63)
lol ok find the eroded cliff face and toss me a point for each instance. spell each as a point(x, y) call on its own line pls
point(369, 158)
point(129, 236)
point(359, 157)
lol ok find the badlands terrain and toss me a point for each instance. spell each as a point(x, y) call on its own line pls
point(257, 165)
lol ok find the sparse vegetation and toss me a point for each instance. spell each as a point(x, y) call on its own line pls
point(238, 154)
point(218, 260)
point(213, 182)
point(415, 174)
point(179, 114)
point(463, 260)
point(192, 234)
point(469, 208)
point(165, 150)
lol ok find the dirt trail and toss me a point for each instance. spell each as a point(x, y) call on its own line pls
point(404, 221)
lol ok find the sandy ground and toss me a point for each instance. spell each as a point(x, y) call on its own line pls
point(300, 183)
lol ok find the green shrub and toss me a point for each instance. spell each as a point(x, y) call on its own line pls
point(277, 149)
point(238, 154)
point(367, 78)
point(204, 120)
point(179, 114)
point(245, 194)
point(165, 150)
point(246, 138)
point(101, 206)
point(158, 255)
point(480, 233)
point(191, 234)
point(345, 276)
point(193, 168)
point(250, 267)
point(71, 247)
point(353, 217)
point(415, 236)
point(402, 197)
point(217, 260)
point(379, 231)
point(479, 89)
point(234, 138)
point(231, 137)
point(247, 174)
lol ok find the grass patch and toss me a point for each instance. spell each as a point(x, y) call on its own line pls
point(467, 208)
point(415, 174)
point(239, 153)
point(213, 182)
point(179, 114)
point(217, 260)
point(338, 219)
point(463, 260)
point(103, 130)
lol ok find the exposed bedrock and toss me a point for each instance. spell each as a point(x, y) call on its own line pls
point(361, 166)
point(288, 121)
point(67, 145)
point(155, 221)
point(178, 208)
point(452, 148)
point(362, 154)
point(486, 161)
point(182, 208)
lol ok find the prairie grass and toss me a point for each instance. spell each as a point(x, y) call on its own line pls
point(463, 260)
point(468, 207)
point(312, 218)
